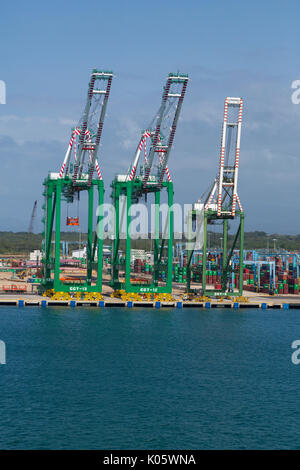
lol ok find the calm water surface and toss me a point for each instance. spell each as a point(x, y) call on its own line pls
point(150, 379)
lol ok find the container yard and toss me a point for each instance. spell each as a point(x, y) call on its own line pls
point(269, 280)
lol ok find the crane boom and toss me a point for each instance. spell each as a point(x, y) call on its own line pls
point(163, 133)
point(33, 214)
point(97, 99)
point(89, 131)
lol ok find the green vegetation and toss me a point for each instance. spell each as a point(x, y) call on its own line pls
point(18, 243)
point(22, 243)
point(259, 240)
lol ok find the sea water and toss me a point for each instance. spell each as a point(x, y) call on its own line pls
point(118, 378)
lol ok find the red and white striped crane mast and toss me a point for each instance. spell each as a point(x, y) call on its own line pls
point(224, 191)
point(222, 199)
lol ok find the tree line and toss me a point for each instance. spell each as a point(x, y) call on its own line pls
point(23, 242)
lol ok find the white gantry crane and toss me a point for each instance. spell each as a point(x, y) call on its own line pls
point(222, 201)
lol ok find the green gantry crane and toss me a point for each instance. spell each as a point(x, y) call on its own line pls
point(143, 179)
point(77, 175)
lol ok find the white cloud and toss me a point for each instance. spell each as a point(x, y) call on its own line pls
point(35, 128)
point(67, 122)
point(206, 112)
point(129, 133)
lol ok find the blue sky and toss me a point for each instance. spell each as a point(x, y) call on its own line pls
point(228, 48)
